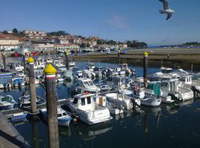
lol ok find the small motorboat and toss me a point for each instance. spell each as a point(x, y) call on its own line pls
point(64, 118)
point(84, 85)
point(120, 100)
point(6, 102)
point(25, 99)
point(151, 101)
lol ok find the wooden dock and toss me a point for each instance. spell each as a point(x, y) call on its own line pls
point(9, 136)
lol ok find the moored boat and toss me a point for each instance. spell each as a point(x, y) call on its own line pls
point(64, 118)
point(7, 102)
point(84, 106)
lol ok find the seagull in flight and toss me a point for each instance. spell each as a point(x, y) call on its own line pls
point(167, 10)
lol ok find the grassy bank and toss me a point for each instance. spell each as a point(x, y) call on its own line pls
point(176, 58)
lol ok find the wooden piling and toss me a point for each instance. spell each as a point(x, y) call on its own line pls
point(51, 98)
point(35, 134)
point(24, 63)
point(145, 67)
point(4, 61)
point(67, 59)
point(118, 53)
point(32, 86)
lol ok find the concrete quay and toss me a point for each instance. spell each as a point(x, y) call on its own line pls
point(9, 136)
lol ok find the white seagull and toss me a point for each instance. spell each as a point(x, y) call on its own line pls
point(167, 9)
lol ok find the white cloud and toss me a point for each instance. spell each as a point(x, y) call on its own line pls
point(117, 21)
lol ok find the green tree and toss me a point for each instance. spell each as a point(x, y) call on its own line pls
point(15, 31)
point(5, 32)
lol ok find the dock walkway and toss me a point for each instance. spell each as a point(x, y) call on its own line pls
point(9, 136)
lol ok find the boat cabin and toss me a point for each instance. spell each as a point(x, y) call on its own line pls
point(84, 101)
point(166, 70)
point(187, 79)
point(170, 85)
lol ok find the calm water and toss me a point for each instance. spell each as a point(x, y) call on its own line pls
point(165, 126)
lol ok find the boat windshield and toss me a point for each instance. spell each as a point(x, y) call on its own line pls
point(88, 83)
point(59, 115)
point(75, 101)
point(88, 100)
point(6, 99)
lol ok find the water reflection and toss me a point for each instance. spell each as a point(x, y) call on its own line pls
point(148, 111)
point(35, 134)
point(174, 108)
point(90, 132)
point(65, 131)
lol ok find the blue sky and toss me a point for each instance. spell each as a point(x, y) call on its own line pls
point(119, 20)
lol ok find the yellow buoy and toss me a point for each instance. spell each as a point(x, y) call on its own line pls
point(75, 119)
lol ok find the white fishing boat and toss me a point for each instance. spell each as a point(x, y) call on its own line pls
point(84, 106)
point(64, 118)
point(171, 85)
point(84, 85)
point(185, 94)
point(120, 100)
point(153, 88)
point(6, 102)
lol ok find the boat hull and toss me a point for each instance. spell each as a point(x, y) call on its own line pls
point(151, 102)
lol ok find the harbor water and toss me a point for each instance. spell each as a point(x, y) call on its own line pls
point(174, 126)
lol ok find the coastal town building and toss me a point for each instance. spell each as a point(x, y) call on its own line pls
point(34, 34)
point(8, 42)
point(66, 46)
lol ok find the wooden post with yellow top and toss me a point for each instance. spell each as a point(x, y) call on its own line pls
point(24, 62)
point(51, 105)
point(145, 67)
point(67, 59)
point(32, 86)
point(118, 53)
